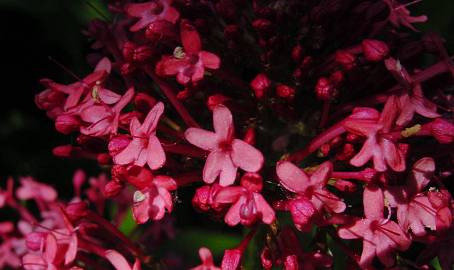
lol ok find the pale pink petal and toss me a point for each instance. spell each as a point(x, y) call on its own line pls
point(201, 138)
point(232, 217)
point(223, 122)
point(104, 65)
point(197, 72)
point(368, 252)
point(151, 121)
point(292, 177)
point(205, 256)
point(355, 230)
point(71, 252)
point(51, 248)
point(166, 182)
point(156, 154)
point(384, 250)
point(422, 170)
point(33, 262)
point(330, 201)
point(130, 153)
point(268, 215)
point(228, 194)
point(246, 156)
point(210, 60)
point(389, 113)
point(95, 113)
point(213, 166)
point(157, 207)
point(228, 172)
point(322, 174)
point(373, 202)
point(124, 100)
point(395, 233)
point(393, 156)
point(117, 260)
point(407, 111)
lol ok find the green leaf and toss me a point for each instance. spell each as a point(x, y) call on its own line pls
point(435, 263)
point(129, 224)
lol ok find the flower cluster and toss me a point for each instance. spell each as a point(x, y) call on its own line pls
point(295, 119)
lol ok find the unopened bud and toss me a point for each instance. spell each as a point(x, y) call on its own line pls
point(346, 59)
point(260, 85)
point(285, 91)
point(67, 123)
point(374, 50)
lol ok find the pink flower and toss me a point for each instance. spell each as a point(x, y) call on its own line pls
point(379, 148)
point(30, 189)
point(312, 193)
point(227, 154)
point(400, 15)
point(9, 256)
point(144, 147)
point(102, 118)
point(153, 201)
point(414, 210)
point(380, 236)
point(189, 62)
point(207, 260)
point(248, 205)
point(46, 260)
point(150, 12)
point(119, 262)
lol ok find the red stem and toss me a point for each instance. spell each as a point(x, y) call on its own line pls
point(170, 94)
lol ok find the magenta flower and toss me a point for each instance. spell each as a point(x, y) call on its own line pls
point(227, 154)
point(380, 236)
point(30, 189)
point(248, 205)
point(119, 262)
point(150, 12)
point(104, 119)
point(153, 201)
point(207, 260)
point(400, 15)
point(189, 62)
point(312, 193)
point(414, 210)
point(144, 147)
point(379, 148)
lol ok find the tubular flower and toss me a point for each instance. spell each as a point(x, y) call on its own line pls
point(144, 147)
point(150, 12)
point(189, 62)
point(227, 154)
point(381, 237)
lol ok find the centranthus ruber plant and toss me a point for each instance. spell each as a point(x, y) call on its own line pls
point(314, 134)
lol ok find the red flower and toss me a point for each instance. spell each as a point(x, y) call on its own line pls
point(153, 201)
point(248, 204)
point(150, 12)
point(414, 210)
point(227, 154)
point(104, 119)
point(144, 147)
point(380, 149)
point(312, 194)
point(380, 236)
point(189, 62)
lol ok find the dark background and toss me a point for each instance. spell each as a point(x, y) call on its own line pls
point(33, 30)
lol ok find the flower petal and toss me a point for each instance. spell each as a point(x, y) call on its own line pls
point(373, 202)
point(213, 166)
point(190, 37)
point(117, 260)
point(292, 177)
point(156, 155)
point(210, 60)
point(152, 119)
point(246, 156)
point(223, 122)
point(201, 138)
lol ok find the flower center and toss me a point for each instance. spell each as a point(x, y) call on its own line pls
point(225, 146)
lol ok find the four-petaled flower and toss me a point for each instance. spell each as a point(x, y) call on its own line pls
point(380, 235)
point(150, 12)
point(227, 154)
point(144, 147)
point(189, 62)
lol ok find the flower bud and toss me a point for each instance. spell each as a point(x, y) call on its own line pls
point(297, 53)
point(103, 158)
point(344, 185)
point(324, 89)
point(35, 240)
point(215, 100)
point(346, 59)
point(336, 78)
point(302, 211)
point(140, 177)
point(266, 258)
point(67, 123)
point(252, 182)
point(63, 151)
point(112, 188)
point(260, 85)
point(285, 91)
point(201, 199)
point(118, 173)
point(249, 136)
point(374, 50)
point(76, 210)
point(291, 262)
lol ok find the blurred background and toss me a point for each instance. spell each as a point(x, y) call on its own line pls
point(34, 30)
